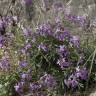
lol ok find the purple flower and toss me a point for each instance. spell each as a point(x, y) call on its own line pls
point(35, 86)
point(43, 47)
point(34, 37)
point(2, 27)
point(23, 64)
point(19, 87)
point(25, 49)
point(44, 30)
point(63, 51)
point(71, 18)
point(27, 32)
point(23, 76)
point(26, 76)
point(63, 63)
point(80, 20)
point(81, 73)
point(27, 46)
point(71, 82)
point(62, 34)
point(75, 41)
point(48, 81)
point(67, 33)
point(58, 20)
point(8, 20)
point(28, 2)
point(4, 64)
point(2, 40)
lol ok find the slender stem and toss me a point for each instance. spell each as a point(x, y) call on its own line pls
point(88, 59)
point(91, 67)
point(8, 9)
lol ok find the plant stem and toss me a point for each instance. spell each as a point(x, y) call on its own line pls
point(94, 53)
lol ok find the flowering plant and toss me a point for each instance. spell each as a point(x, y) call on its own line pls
point(48, 62)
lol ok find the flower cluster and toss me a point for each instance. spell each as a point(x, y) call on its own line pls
point(4, 64)
point(73, 80)
point(80, 20)
point(26, 85)
point(51, 49)
point(27, 32)
point(48, 81)
point(54, 50)
point(48, 61)
point(44, 29)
